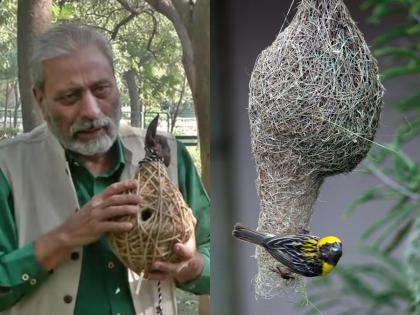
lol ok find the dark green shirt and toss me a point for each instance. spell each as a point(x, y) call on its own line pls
point(103, 284)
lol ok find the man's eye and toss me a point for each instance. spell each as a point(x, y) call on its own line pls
point(101, 90)
point(69, 98)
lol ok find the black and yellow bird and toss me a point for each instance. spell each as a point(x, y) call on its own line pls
point(303, 254)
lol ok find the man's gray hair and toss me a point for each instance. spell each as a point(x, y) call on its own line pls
point(63, 40)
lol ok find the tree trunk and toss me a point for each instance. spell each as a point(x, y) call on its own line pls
point(191, 21)
point(33, 18)
point(17, 105)
point(177, 106)
point(199, 30)
point(192, 24)
point(135, 104)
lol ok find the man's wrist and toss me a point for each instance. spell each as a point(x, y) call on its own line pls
point(52, 249)
point(194, 268)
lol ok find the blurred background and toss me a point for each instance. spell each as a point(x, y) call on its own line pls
point(373, 209)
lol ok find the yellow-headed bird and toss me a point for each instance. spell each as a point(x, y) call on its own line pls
point(303, 254)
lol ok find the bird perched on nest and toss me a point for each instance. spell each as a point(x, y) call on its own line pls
point(156, 146)
point(303, 254)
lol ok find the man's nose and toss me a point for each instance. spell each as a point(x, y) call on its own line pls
point(89, 106)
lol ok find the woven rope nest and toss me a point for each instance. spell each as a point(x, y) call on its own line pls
point(163, 220)
point(314, 106)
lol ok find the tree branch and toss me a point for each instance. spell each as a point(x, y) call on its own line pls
point(134, 11)
point(129, 8)
point(167, 8)
point(178, 105)
point(152, 36)
point(390, 181)
point(121, 23)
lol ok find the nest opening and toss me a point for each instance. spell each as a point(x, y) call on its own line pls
point(146, 214)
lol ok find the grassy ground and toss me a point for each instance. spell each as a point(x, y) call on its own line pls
point(187, 303)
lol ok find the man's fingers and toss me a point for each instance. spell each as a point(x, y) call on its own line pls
point(122, 199)
point(166, 267)
point(194, 219)
point(119, 211)
point(116, 227)
point(156, 275)
point(119, 188)
point(185, 251)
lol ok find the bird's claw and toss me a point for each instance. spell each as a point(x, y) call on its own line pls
point(284, 274)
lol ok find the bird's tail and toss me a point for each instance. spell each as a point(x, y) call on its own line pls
point(246, 234)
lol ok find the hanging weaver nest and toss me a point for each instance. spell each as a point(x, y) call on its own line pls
point(163, 219)
point(314, 105)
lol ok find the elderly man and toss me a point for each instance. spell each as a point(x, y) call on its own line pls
point(63, 184)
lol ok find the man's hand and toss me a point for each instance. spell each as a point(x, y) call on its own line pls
point(189, 266)
point(88, 224)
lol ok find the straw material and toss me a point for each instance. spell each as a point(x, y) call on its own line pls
point(163, 219)
point(314, 106)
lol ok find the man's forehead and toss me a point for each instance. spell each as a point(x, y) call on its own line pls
point(85, 66)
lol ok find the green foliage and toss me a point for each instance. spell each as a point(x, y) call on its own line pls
point(7, 133)
point(143, 41)
point(8, 60)
point(63, 12)
point(381, 286)
point(389, 43)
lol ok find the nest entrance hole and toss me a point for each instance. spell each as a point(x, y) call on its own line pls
point(146, 214)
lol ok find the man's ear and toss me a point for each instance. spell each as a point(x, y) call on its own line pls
point(39, 98)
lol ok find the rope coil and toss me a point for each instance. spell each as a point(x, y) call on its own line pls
point(163, 219)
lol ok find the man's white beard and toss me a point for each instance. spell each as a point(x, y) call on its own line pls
point(91, 147)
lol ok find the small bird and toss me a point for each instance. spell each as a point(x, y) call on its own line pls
point(156, 146)
point(303, 254)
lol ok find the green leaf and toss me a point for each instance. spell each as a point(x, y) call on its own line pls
point(392, 215)
point(380, 10)
point(394, 226)
point(370, 195)
point(403, 165)
point(55, 10)
point(379, 155)
point(368, 4)
point(397, 52)
point(377, 271)
point(409, 103)
point(399, 71)
point(395, 32)
point(358, 286)
point(384, 258)
point(414, 30)
point(398, 237)
point(415, 8)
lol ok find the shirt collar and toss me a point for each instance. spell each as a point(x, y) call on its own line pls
point(71, 157)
